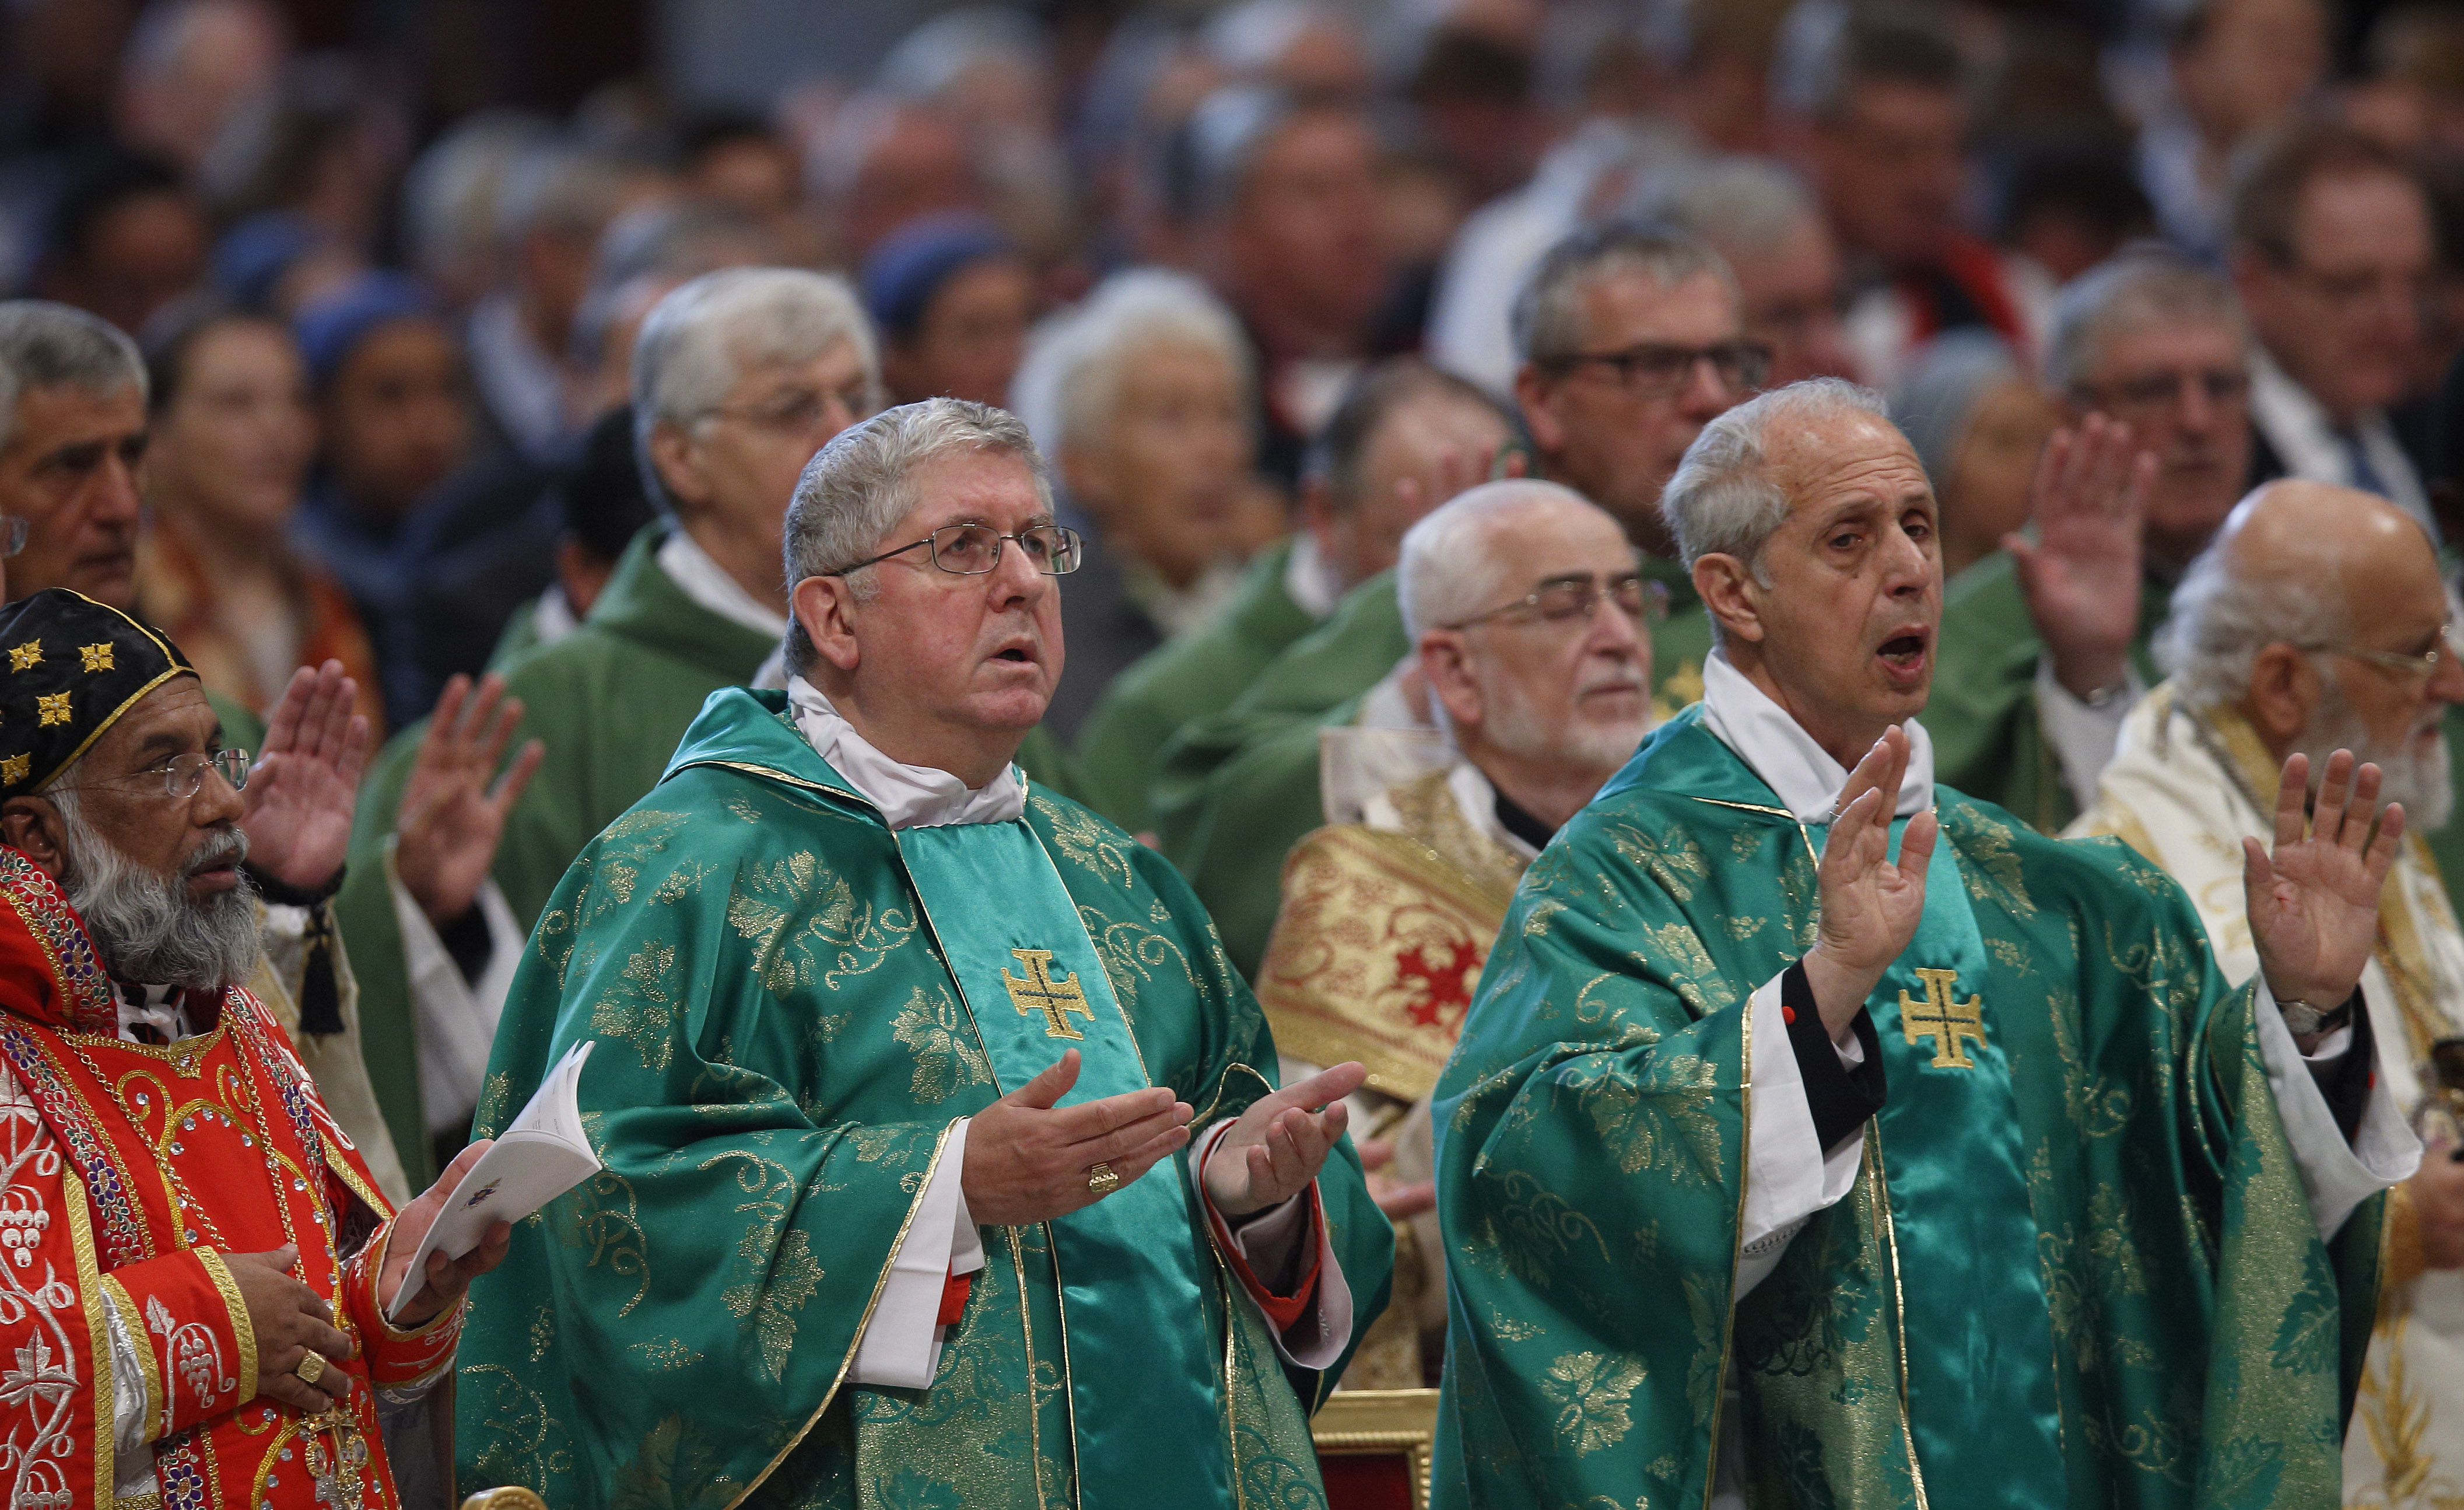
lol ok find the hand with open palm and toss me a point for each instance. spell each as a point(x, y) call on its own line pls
point(1870, 907)
point(305, 785)
point(2080, 575)
point(2314, 900)
point(454, 805)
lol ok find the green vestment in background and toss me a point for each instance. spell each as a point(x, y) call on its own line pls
point(2077, 1271)
point(1988, 738)
point(783, 1046)
point(1199, 674)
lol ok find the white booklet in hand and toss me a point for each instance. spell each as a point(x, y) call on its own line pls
point(543, 1155)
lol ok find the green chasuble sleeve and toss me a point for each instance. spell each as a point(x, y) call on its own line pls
point(1186, 678)
point(782, 1049)
point(2076, 1267)
point(1987, 736)
point(609, 702)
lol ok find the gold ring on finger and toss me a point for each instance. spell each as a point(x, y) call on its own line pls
point(1102, 1180)
point(311, 1368)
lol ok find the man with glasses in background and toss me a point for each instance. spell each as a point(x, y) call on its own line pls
point(2318, 622)
point(1533, 630)
point(2333, 246)
point(951, 1158)
point(2045, 644)
point(738, 377)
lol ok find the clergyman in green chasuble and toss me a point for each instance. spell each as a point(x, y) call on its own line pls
point(2048, 1213)
point(813, 970)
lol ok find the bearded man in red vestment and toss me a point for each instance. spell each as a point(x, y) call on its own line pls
point(195, 1265)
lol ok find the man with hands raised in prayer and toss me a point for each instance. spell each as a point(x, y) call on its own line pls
point(1951, 1167)
point(944, 1160)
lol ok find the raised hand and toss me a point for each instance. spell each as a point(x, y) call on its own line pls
point(450, 817)
point(2079, 576)
point(1400, 1199)
point(1275, 1150)
point(445, 1279)
point(1029, 1161)
point(2314, 901)
point(297, 809)
point(290, 1322)
point(1869, 905)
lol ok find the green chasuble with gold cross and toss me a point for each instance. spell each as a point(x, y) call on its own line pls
point(2076, 1267)
point(792, 1005)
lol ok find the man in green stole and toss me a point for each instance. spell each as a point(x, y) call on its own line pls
point(1534, 643)
point(944, 1159)
point(2045, 644)
point(1771, 1168)
point(1630, 338)
point(738, 377)
point(1405, 438)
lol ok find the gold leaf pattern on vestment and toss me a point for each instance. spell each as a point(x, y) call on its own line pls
point(665, 1354)
point(1656, 1115)
point(639, 1008)
point(1086, 841)
point(1590, 1391)
point(934, 1029)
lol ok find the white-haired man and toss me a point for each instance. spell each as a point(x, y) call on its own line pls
point(898, 1057)
point(1531, 620)
point(738, 377)
point(199, 1300)
point(1966, 1174)
point(2318, 621)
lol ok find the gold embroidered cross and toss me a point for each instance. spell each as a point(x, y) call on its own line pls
point(1038, 992)
point(26, 657)
point(13, 769)
point(54, 706)
point(97, 657)
point(1944, 1018)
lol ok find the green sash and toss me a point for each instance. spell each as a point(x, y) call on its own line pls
point(1980, 1343)
point(1130, 1278)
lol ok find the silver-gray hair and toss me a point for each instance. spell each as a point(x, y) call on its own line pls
point(145, 927)
point(1078, 363)
point(1547, 319)
point(856, 489)
point(1737, 202)
point(48, 345)
point(1725, 500)
point(2220, 620)
point(1448, 568)
point(697, 342)
point(2143, 285)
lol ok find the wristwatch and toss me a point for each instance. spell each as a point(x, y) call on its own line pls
point(2305, 1020)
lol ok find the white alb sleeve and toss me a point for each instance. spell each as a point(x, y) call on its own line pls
point(1266, 1244)
point(1788, 1175)
point(132, 1457)
point(456, 1017)
point(901, 1346)
point(2335, 1176)
point(2083, 737)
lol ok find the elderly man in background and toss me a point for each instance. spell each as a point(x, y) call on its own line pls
point(202, 1305)
point(2333, 246)
point(2318, 621)
point(738, 377)
point(2045, 644)
point(1406, 438)
point(73, 438)
point(846, 964)
point(1532, 626)
point(1631, 338)
point(1977, 1135)
point(1765, 223)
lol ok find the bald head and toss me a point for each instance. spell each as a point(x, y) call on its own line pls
point(2315, 614)
point(1450, 565)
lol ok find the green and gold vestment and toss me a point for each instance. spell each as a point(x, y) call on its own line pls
point(2079, 1270)
point(784, 1046)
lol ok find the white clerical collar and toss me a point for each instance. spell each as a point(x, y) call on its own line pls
point(908, 796)
point(1309, 579)
point(707, 583)
point(1776, 746)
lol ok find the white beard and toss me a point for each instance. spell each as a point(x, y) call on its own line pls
point(146, 929)
point(2419, 779)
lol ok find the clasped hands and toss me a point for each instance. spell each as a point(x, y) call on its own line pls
point(1029, 1160)
point(2313, 901)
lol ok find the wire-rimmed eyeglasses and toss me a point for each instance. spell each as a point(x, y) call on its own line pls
point(183, 776)
point(2420, 668)
point(1561, 600)
point(970, 550)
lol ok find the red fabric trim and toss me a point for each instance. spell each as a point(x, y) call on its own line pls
point(1284, 1310)
point(954, 1298)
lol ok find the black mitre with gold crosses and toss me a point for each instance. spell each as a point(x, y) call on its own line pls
point(73, 666)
